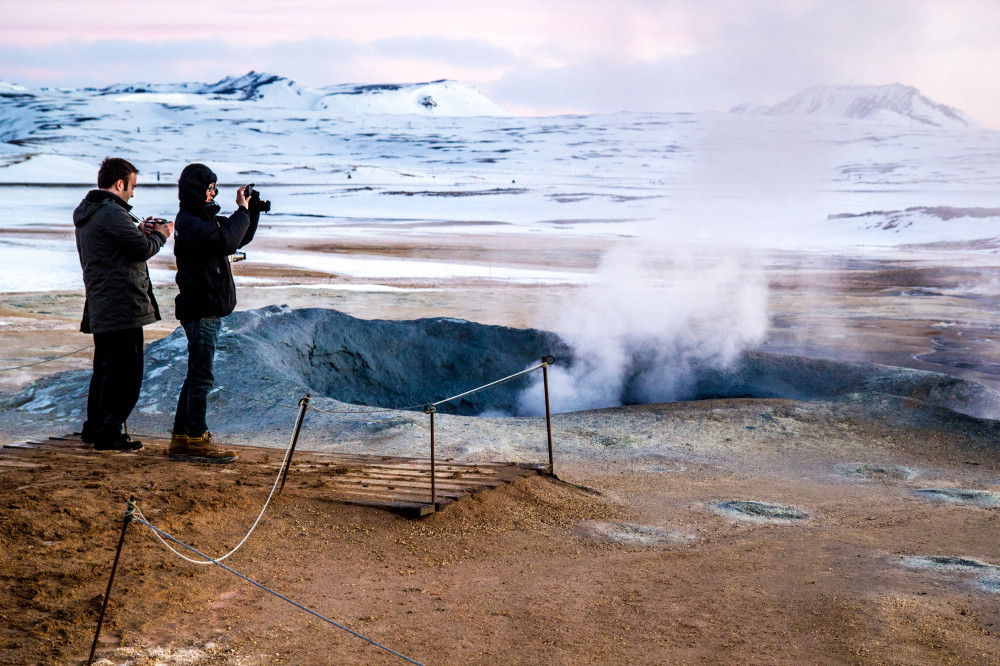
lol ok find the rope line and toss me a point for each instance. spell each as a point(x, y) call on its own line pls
point(46, 360)
point(256, 522)
point(339, 415)
point(334, 413)
point(224, 390)
point(486, 386)
point(424, 404)
point(338, 412)
point(160, 534)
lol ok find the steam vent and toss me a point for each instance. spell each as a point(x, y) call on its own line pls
point(275, 353)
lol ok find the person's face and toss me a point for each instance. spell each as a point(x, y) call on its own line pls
point(210, 193)
point(127, 189)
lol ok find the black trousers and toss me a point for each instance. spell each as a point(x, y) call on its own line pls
point(115, 384)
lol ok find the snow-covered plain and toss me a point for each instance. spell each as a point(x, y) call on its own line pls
point(440, 158)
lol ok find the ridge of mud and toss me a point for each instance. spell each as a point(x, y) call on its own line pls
point(276, 354)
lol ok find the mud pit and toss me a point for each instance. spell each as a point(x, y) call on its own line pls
point(761, 511)
point(278, 353)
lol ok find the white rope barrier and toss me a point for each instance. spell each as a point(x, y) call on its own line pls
point(158, 532)
point(486, 386)
point(281, 467)
point(46, 360)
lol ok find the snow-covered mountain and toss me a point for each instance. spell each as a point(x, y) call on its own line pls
point(889, 103)
point(437, 98)
point(440, 156)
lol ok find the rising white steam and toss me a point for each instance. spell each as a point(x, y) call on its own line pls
point(653, 319)
point(687, 295)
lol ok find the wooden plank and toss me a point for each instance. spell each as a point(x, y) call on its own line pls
point(398, 463)
point(414, 476)
point(396, 483)
point(407, 509)
point(414, 473)
point(388, 472)
point(384, 469)
point(50, 443)
point(419, 493)
point(390, 484)
point(415, 482)
point(439, 468)
point(383, 497)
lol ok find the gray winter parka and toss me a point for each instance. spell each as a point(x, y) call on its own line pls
point(113, 253)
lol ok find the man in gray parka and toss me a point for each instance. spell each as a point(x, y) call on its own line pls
point(113, 252)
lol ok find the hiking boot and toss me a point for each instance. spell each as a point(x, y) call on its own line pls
point(178, 446)
point(122, 444)
point(203, 450)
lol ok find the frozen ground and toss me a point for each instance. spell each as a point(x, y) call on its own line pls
point(392, 169)
point(694, 235)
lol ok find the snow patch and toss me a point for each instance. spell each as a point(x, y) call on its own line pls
point(48, 168)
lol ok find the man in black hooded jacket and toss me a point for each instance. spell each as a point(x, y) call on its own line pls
point(113, 253)
point(203, 243)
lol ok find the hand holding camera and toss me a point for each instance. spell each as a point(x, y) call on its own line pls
point(252, 197)
point(151, 224)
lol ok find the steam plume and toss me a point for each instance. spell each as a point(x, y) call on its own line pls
point(651, 321)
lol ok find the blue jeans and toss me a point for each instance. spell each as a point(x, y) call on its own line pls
point(202, 337)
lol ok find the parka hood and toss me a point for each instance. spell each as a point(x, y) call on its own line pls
point(92, 202)
point(194, 180)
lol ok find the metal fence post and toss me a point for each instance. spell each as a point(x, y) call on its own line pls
point(430, 409)
point(546, 362)
point(303, 406)
point(129, 510)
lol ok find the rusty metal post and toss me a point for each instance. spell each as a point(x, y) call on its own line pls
point(430, 409)
point(547, 361)
point(129, 510)
point(303, 406)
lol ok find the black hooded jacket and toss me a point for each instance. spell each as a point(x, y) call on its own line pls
point(113, 253)
point(203, 242)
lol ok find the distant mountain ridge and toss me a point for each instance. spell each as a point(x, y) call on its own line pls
point(250, 86)
point(442, 98)
point(888, 103)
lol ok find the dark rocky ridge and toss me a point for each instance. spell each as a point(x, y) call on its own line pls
point(275, 355)
point(763, 375)
point(392, 364)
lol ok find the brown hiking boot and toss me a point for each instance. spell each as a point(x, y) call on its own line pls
point(203, 449)
point(178, 447)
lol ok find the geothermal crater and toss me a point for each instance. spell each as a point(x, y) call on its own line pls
point(276, 353)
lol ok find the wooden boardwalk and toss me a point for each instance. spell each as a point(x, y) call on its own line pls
point(398, 484)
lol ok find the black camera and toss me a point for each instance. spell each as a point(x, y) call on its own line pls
point(253, 200)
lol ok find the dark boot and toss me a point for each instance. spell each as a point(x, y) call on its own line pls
point(88, 434)
point(123, 444)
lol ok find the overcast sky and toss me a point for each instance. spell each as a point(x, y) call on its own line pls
point(529, 56)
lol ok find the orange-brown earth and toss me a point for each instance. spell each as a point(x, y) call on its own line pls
point(651, 570)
